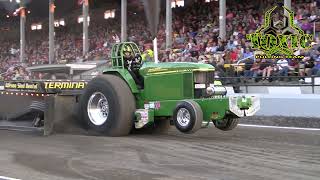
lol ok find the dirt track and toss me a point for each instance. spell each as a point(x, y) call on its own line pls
point(242, 154)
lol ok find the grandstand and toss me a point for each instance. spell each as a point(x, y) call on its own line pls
point(195, 37)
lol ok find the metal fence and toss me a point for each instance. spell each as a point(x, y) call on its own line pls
point(277, 81)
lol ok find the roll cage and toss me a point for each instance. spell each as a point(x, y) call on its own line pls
point(117, 53)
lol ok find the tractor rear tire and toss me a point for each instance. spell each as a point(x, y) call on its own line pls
point(188, 116)
point(226, 124)
point(108, 106)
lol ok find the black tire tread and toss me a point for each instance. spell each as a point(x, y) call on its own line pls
point(122, 93)
point(199, 115)
point(196, 112)
point(230, 125)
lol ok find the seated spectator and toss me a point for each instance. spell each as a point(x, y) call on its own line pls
point(316, 68)
point(248, 53)
point(248, 64)
point(282, 67)
point(305, 66)
point(194, 34)
point(221, 46)
point(262, 68)
point(267, 67)
point(256, 69)
point(234, 55)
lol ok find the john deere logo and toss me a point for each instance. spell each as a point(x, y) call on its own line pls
point(279, 37)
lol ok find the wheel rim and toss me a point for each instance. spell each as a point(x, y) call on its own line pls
point(183, 117)
point(98, 108)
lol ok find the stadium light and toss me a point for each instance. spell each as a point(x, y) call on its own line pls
point(173, 4)
point(39, 26)
point(36, 26)
point(17, 11)
point(110, 14)
point(80, 19)
point(56, 24)
point(177, 3)
point(33, 27)
point(180, 3)
point(7, 16)
point(62, 22)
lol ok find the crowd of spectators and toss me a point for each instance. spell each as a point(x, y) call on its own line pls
point(195, 39)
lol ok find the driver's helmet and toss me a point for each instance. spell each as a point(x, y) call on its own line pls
point(127, 53)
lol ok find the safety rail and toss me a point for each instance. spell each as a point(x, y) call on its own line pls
point(274, 81)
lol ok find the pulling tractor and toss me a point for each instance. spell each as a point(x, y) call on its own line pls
point(133, 95)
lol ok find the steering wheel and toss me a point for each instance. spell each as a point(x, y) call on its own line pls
point(138, 60)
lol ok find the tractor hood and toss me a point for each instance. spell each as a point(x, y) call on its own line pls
point(150, 68)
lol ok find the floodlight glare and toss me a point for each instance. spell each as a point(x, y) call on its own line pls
point(39, 26)
point(56, 24)
point(173, 4)
point(33, 27)
point(80, 19)
point(110, 14)
point(180, 3)
point(62, 22)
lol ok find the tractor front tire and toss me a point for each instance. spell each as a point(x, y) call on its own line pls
point(107, 106)
point(226, 124)
point(188, 116)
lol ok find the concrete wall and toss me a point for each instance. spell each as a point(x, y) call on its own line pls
point(285, 101)
point(287, 90)
point(290, 105)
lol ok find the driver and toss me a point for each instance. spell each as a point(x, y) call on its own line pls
point(133, 65)
point(128, 58)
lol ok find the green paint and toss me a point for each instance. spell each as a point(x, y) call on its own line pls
point(167, 84)
point(208, 106)
point(151, 68)
point(123, 73)
point(244, 103)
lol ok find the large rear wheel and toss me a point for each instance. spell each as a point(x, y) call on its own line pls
point(107, 106)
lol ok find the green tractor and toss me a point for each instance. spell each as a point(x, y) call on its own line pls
point(133, 95)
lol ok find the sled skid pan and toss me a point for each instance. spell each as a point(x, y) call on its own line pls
point(60, 116)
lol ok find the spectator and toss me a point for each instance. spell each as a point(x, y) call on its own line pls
point(247, 53)
point(305, 66)
point(248, 68)
point(267, 68)
point(282, 67)
point(195, 36)
point(256, 68)
point(316, 68)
